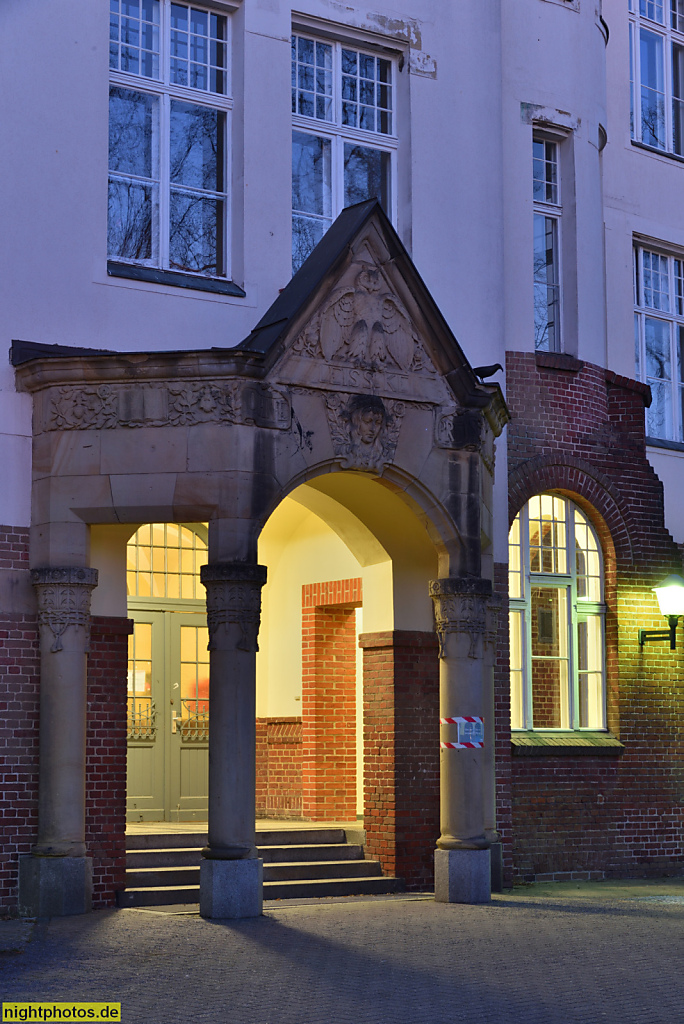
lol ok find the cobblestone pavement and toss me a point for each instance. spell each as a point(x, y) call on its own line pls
point(598, 953)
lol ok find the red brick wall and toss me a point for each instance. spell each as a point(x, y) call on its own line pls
point(106, 756)
point(19, 709)
point(502, 719)
point(329, 699)
point(19, 729)
point(579, 429)
point(279, 767)
point(401, 752)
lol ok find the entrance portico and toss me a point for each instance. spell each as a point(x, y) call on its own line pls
point(352, 371)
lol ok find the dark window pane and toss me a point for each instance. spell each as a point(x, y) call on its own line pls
point(306, 234)
point(349, 58)
point(195, 233)
point(366, 175)
point(196, 146)
point(311, 186)
point(132, 120)
point(129, 220)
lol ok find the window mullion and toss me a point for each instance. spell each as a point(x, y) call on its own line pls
point(573, 665)
point(164, 181)
point(528, 718)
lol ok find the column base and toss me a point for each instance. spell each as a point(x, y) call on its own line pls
point(55, 886)
point(462, 876)
point(231, 889)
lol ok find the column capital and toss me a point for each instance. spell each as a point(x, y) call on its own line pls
point(461, 607)
point(233, 599)
point(64, 600)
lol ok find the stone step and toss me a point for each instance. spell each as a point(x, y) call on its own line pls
point(270, 837)
point(162, 877)
point(297, 889)
point(320, 870)
point(179, 857)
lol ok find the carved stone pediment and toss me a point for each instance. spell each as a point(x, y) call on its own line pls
point(362, 339)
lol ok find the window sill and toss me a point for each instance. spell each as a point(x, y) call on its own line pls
point(560, 744)
point(173, 278)
point(658, 152)
point(658, 442)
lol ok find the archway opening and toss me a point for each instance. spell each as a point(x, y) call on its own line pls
point(348, 568)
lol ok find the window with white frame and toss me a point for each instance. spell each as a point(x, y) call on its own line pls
point(547, 217)
point(344, 135)
point(656, 35)
point(556, 618)
point(659, 339)
point(169, 105)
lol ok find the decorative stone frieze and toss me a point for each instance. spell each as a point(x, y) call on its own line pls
point(106, 406)
point(64, 600)
point(234, 599)
point(461, 606)
point(364, 430)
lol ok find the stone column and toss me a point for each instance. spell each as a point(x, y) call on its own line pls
point(490, 637)
point(462, 859)
point(56, 878)
point(231, 874)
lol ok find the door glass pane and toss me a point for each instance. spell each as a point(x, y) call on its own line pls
point(517, 679)
point(141, 709)
point(366, 175)
point(194, 679)
point(652, 89)
point(549, 629)
point(590, 672)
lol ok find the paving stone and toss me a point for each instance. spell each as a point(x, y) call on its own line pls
point(564, 954)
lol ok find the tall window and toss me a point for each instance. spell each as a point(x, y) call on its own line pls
point(556, 618)
point(659, 339)
point(547, 214)
point(344, 135)
point(657, 73)
point(168, 110)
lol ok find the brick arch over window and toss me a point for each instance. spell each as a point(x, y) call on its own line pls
point(592, 491)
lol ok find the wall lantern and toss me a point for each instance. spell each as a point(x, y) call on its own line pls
point(670, 594)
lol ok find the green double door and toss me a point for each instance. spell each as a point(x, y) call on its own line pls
point(168, 714)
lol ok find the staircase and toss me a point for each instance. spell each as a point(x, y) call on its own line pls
point(164, 869)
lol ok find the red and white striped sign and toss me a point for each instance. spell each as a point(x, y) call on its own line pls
point(470, 732)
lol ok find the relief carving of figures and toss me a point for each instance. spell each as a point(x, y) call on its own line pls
point(63, 601)
point(364, 430)
point(364, 326)
point(234, 601)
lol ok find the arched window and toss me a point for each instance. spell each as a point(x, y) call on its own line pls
point(164, 559)
point(556, 618)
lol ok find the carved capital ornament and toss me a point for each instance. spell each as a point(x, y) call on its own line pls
point(63, 601)
point(234, 599)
